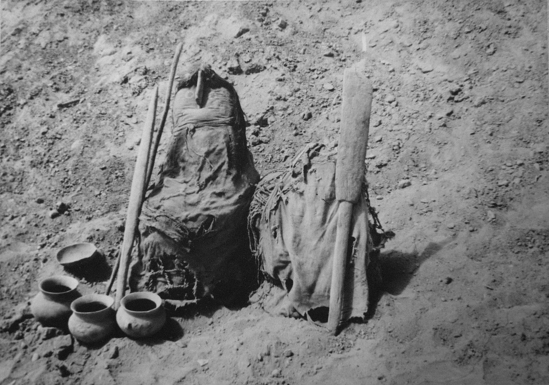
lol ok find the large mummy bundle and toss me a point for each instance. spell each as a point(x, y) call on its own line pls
point(292, 226)
point(193, 221)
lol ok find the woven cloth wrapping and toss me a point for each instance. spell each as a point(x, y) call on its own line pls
point(193, 221)
point(292, 226)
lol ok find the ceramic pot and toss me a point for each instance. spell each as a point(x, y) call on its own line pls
point(93, 318)
point(141, 314)
point(52, 305)
point(78, 255)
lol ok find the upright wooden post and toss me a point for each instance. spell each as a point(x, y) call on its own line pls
point(349, 179)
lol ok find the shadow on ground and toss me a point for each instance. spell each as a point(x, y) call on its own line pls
point(398, 268)
point(393, 271)
point(171, 331)
point(97, 270)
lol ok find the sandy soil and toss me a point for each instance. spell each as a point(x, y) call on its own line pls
point(457, 164)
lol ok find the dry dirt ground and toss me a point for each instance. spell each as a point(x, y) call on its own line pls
point(457, 166)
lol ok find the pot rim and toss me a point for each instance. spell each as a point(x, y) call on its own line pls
point(141, 295)
point(88, 298)
point(69, 282)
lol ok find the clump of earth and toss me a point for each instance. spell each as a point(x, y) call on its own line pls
point(457, 168)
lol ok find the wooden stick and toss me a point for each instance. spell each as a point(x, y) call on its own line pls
point(152, 155)
point(113, 274)
point(154, 149)
point(199, 93)
point(136, 199)
point(349, 179)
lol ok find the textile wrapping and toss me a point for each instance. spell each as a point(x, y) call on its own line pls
point(292, 226)
point(193, 221)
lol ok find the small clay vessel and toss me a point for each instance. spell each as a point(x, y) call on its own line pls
point(93, 318)
point(52, 305)
point(141, 314)
point(79, 254)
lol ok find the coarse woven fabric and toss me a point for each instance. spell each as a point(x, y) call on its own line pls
point(292, 226)
point(193, 221)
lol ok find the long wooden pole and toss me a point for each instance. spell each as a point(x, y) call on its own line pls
point(164, 113)
point(152, 152)
point(350, 170)
point(136, 199)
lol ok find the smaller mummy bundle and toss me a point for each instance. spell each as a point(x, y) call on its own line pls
point(292, 228)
